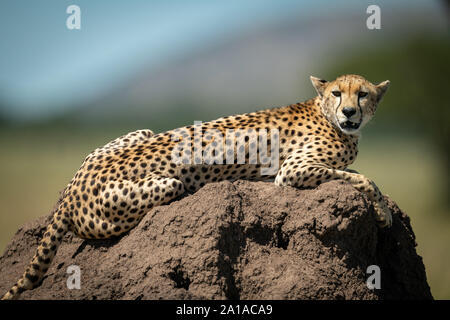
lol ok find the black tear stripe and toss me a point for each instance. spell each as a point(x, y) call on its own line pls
point(360, 111)
point(340, 100)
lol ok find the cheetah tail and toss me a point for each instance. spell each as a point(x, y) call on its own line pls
point(43, 257)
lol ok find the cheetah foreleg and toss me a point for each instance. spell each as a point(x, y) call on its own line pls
point(311, 175)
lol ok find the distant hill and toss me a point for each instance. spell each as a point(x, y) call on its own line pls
point(257, 69)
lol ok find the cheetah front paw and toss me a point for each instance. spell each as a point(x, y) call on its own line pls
point(384, 215)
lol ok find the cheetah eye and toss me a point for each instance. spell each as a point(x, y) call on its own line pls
point(336, 93)
point(362, 94)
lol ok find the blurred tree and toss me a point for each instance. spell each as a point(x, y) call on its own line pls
point(418, 99)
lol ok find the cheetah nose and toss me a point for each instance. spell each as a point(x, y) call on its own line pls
point(348, 111)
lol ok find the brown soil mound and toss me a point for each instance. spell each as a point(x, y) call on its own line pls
point(241, 240)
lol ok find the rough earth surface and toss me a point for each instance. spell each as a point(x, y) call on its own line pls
point(240, 240)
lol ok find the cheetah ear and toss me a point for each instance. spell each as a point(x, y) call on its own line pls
point(381, 89)
point(319, 85)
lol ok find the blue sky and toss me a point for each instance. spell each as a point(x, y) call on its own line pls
point(43, 65)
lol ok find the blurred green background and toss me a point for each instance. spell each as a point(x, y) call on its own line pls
point(63, 93)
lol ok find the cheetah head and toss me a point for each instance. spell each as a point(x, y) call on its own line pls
point(350, 101)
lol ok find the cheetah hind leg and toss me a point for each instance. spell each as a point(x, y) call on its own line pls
point(126, 202)
point(148, 193)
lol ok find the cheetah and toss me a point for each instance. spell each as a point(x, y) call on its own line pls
point(313, 141)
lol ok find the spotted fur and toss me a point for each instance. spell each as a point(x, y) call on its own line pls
point(119, 183)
